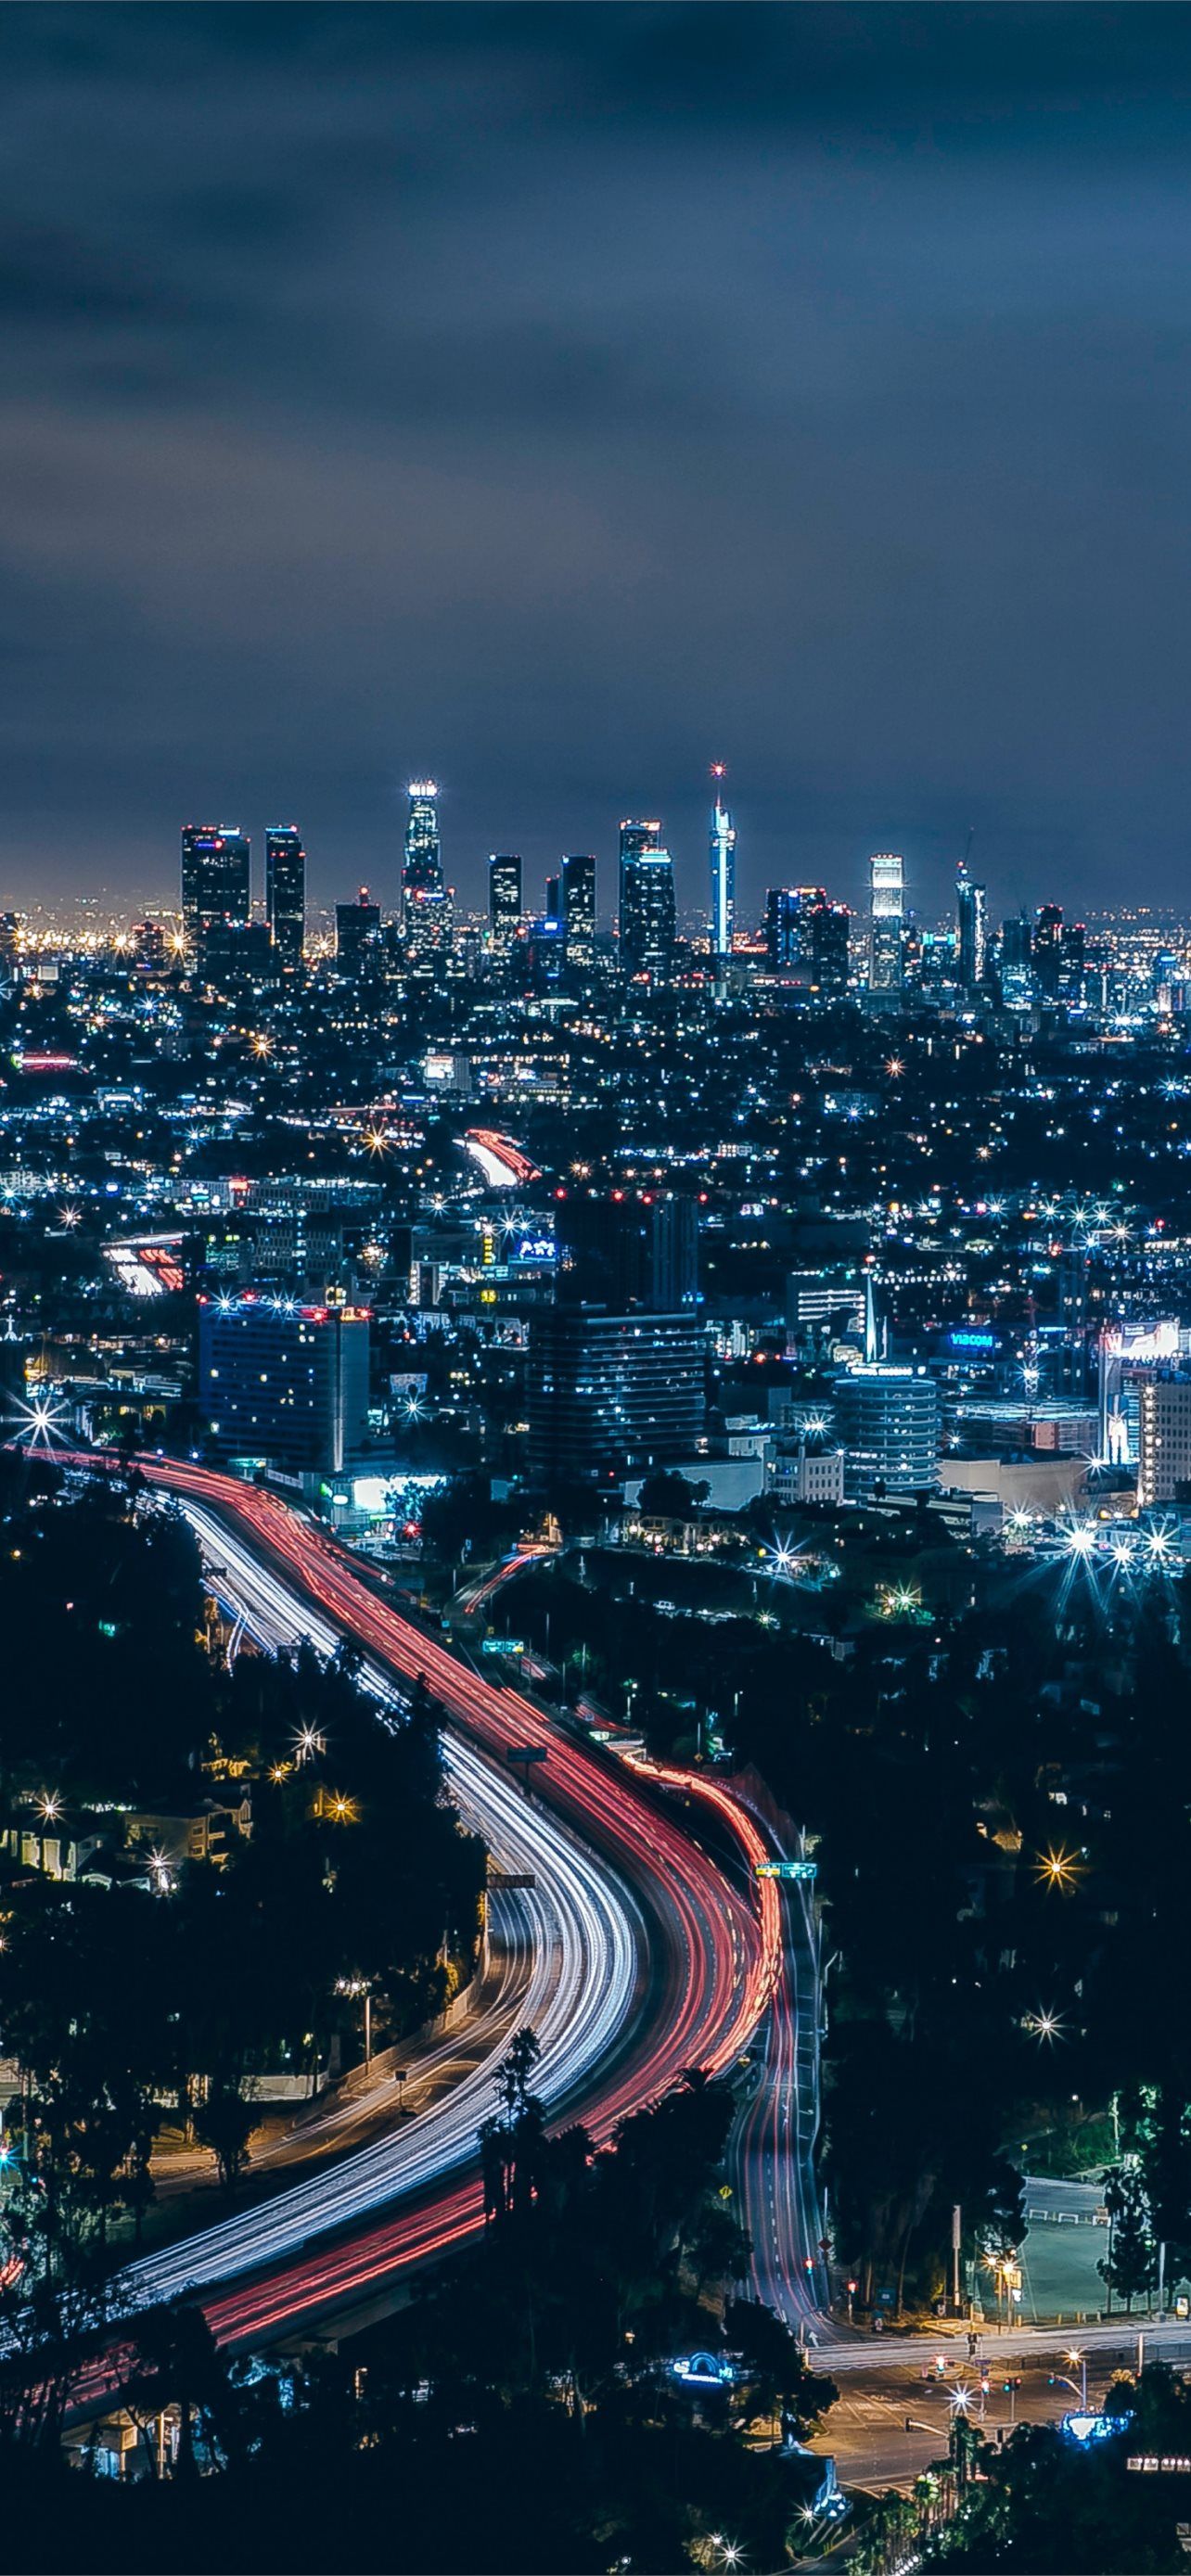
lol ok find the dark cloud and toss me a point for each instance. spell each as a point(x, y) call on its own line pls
point(558, 398)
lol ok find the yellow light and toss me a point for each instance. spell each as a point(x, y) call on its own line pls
point(1059, 1869)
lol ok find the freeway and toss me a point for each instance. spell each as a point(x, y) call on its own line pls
point(774, 2139)
point(585, 1941)
point(640, 1882)
point(771, 2150)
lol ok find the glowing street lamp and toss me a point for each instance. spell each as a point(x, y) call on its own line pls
point(1044, 2024)
point(39, 1423)
point(1059, 1869)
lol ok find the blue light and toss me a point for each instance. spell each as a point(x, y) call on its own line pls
point(1083, 2429)
point(702, 2370)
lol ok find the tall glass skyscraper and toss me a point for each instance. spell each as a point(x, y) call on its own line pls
point(504, 898)
point(427, 910)
point(579, 909)
point(971, 905)
point(285, 893)
point(723, 869)
point(422, 873)
point(647, 919)
point(216, 880)
point(886, 877)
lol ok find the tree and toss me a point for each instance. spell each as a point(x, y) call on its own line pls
point(224, 2122)
point(1130, 2263)
point(665, 1496)
point(1166, 2170)
point(775, 2367)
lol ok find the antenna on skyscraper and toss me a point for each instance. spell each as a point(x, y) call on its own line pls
point(962, 869)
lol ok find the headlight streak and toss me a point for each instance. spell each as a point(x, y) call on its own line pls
point(586, 1927)
point(709, 1968)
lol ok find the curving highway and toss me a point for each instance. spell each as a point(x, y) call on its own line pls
point(585, 1937)
point(625, 1883)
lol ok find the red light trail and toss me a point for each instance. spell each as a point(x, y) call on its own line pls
point(717, 1957)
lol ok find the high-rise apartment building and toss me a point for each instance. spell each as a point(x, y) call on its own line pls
point(216, 880)
point(647, 915)
point(1164, 1442)
point(284, 1382)
point(886, 878)
point(579, 910)
point(285, 893)
point(504, 898)
point(722, 852)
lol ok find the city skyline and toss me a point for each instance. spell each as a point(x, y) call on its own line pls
point(929, 891)
point(935, 519)
point(595, 1292)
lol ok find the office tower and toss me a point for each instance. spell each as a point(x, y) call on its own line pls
point(830, 925)
point(806, 937)
point(545, 952)
point(1072, 958)
point(886, 877)
point(285, 893)
point(971, 903)
point(554, 900)
point(422, 872)
point(888, 1422)
point(216, 880)
point(10, 940)
point(579, 909)
point(616, 1372)
point(504, 898)
point(1015, 963)
point(357, 933)
point(1164, 1442)
point(647, 920)
point(783, 926)
point(612, 1392)
point(239, 953)
point(429, 921)
point(722, 849)
point(282, 1382)
point(629, 1254)
point(150, 951)
point(823, 1301)
point(1048, 949)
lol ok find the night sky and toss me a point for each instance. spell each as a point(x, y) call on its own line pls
point(559, 399)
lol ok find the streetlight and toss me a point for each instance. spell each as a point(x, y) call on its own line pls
point(1080, 2359)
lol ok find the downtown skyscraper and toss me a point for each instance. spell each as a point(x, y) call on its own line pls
point(579, 910)
point(504, 898)
point(722, 852)
point(647, 915)
point(216, 880)
point(285, 893)
point(886, 875)
point(426, 907)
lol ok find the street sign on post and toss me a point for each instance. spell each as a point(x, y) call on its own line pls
point(808, 1869)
